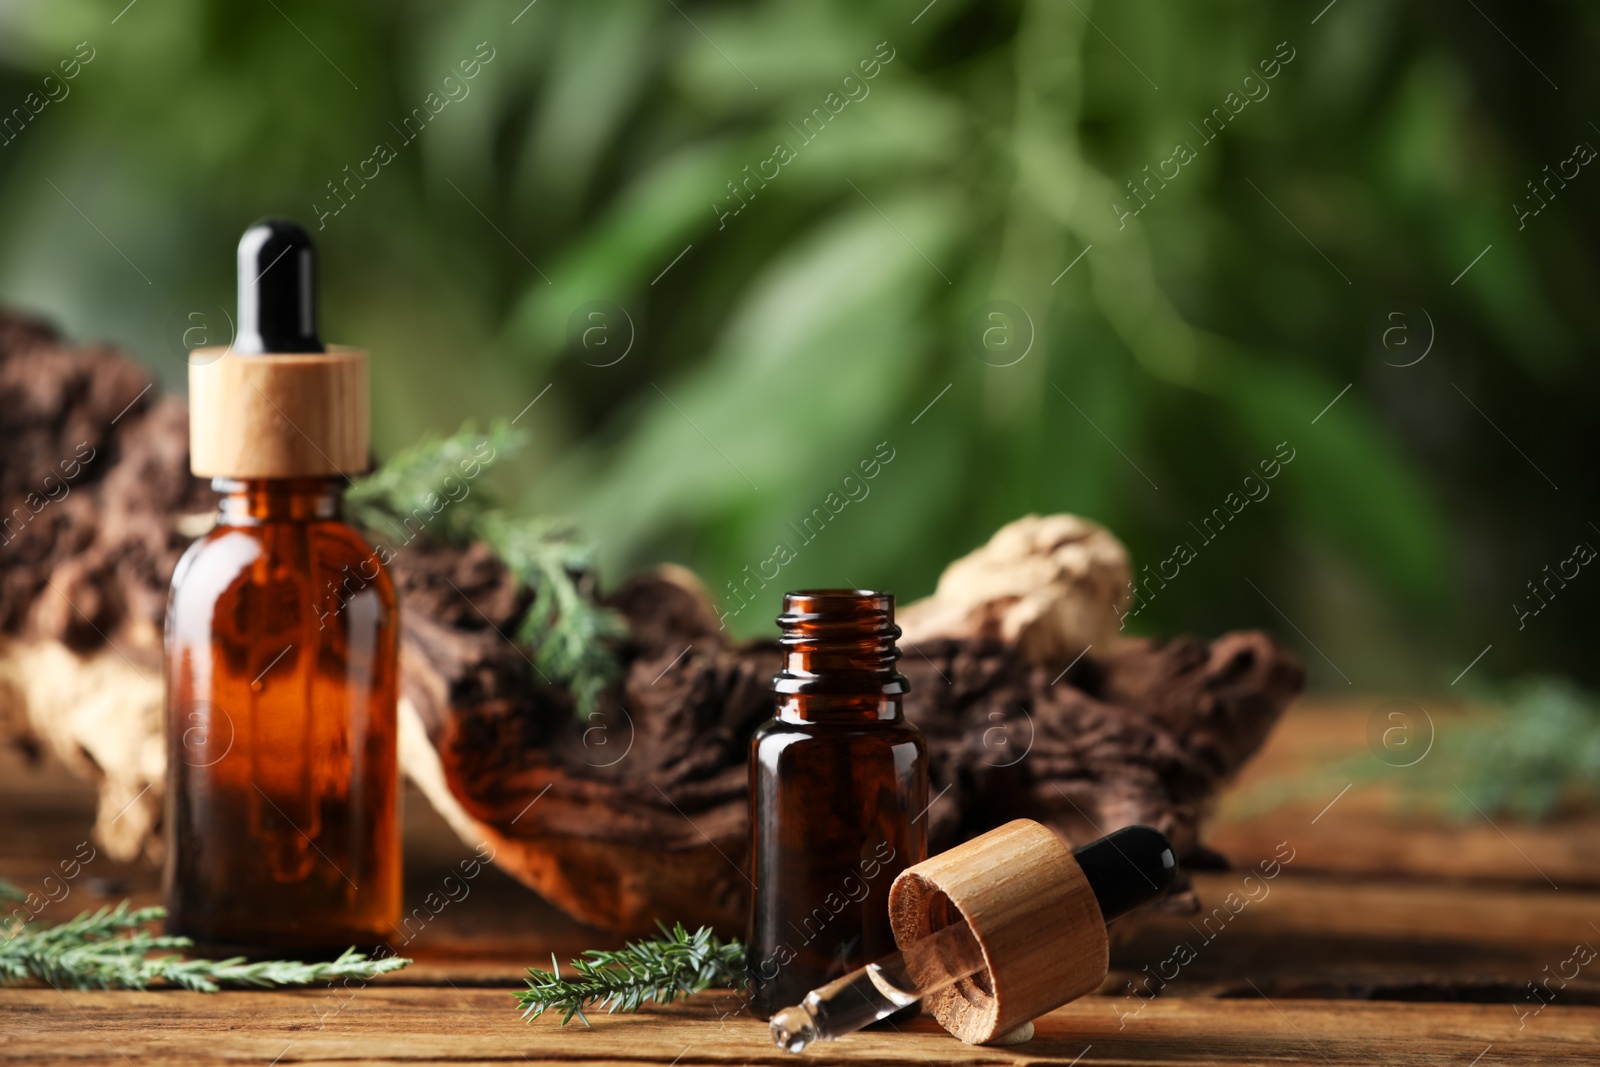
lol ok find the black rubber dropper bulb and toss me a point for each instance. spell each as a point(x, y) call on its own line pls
point(1127, 868)
point(277, 289)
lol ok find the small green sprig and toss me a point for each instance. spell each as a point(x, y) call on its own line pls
point(573, 636)
point(658, 968)
point(111, 949)
point(432, 486)
point(1529, 750)
point(1537, 752)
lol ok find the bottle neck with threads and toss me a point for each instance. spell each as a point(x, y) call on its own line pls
point(252, 501)
point(839, 657)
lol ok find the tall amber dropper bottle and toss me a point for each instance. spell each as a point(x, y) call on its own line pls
point(838, 795)
point(282, 830)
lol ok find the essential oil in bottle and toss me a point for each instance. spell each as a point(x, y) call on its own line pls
point(281, 642)
point(838, 796)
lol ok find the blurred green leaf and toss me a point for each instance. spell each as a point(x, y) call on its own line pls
point(599, 155)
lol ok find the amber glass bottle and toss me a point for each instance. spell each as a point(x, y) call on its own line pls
point(838, 795)
point(281, 645)
point(281, 726)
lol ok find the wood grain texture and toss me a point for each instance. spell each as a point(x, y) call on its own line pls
point(1033, 913)
point(1379, 827)
point(384, 1024)
point(278, 416)
point(1338, 966)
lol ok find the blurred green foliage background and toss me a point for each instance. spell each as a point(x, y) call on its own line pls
point(586, 168)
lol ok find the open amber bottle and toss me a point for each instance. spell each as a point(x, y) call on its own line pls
point(281, 644)
point(838, 797)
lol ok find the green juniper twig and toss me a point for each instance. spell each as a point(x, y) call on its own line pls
point(572, 634)
point(110, 949)
point(430, 488)
point(657, 968)
point(1531, 748)
point(1539, 752)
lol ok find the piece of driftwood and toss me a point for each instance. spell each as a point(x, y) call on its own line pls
point(638, 812)
point(94, 494)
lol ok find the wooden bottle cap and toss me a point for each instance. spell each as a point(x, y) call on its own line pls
point(1032, 910)
point(301, 415)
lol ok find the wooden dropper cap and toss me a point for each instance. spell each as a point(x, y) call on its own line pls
point(276, 403)
point(1037, 909)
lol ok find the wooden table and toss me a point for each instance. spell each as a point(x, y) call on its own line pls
point(1388, 938)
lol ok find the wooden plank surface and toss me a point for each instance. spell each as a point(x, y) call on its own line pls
point(387, 1024)
point(1368, 824)
point(1360, 951)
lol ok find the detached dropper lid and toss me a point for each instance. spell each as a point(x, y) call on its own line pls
point(277, 289)
point(1038, 911)
point(276, 403)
